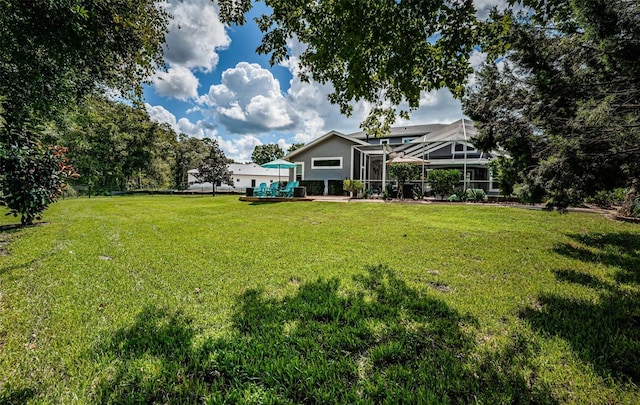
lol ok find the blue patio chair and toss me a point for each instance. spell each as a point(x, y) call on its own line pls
point(288, 190)
point(272, 191)
point(260, 191)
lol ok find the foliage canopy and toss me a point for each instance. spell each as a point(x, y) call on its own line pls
point(54, 53)
point(382, 52)
point(215, 167)
point(567, 109)
point(444, 181)
point(266, 153)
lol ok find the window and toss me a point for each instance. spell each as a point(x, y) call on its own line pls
point(384, 141)
point(299, 171)
point(326, 163)
point(407, 140)
point(458, 148)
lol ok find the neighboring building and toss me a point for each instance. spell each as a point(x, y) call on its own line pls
point(335, 156)
point(244, 176)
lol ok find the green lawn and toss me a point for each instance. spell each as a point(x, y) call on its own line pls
point(170, 299)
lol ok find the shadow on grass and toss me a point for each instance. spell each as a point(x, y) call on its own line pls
point(18, 396)
point(606, 333)
point(384, 342)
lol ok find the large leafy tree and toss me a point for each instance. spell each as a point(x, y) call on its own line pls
point(266, 153)
point(294, 147)
point(115, 146)
point(190, 153)
point(381, 51)
point(565, 101)
point(215, 167)
point(56, 52)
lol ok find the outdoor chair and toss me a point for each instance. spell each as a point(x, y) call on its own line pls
point(272, 191)
point(287, 191)
point(260, 191)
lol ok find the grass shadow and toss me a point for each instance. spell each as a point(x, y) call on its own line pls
point(603, 333)
point(10, 396)
point(620, 250)
point(382, 342)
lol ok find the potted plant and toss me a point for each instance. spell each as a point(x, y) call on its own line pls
point(353, 187)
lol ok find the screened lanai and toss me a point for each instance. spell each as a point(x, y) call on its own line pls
point(449, 147)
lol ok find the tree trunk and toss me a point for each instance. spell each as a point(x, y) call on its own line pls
point(627, 207)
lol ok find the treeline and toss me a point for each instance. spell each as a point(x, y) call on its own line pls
point(115, 146)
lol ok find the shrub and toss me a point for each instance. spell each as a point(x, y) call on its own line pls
point(38, 174)
point(404, 172)
point(475, 194)
point(314, 187)
point(352, 186)
point(335, 187)
point(607, 199)
point(443, 181)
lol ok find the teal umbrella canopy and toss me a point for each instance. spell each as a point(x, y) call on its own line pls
point(279, 164)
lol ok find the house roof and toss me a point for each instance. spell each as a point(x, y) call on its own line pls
point(249, 169)
point(404, 131)
point(461, 130)
point(322, 139)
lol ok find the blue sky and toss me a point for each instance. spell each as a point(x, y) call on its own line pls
point(216, 86)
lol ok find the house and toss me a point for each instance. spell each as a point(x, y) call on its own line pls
point(244, 176)
point(334, 156)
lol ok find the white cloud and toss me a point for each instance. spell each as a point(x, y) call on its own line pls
point(195, 33)
point(283, 144)
point(249, 100)
point(240, 149)
point(201, 129)
point(435, 107)
point(160, 114)
point(484, 6)
point(178, 82)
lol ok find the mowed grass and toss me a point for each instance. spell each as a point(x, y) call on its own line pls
point(211, 300)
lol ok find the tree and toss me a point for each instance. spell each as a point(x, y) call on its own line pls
point(115, 146)
point(443, 181)
point(190, 153)
point(266, 153)
point(56, 52)
point(37, 175)
point(505, 174)
point(382, 52)
point(567, 110)
point(294, 146)
point(403, 172)
point(215, 168)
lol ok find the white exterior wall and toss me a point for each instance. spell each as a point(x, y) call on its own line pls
point(243, 174)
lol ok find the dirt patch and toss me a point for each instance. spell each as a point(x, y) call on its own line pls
point(625, 219)
point(440, 287)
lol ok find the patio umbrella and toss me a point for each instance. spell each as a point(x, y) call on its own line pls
point(406, 159)
point(409, 160)
point(279, 163)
